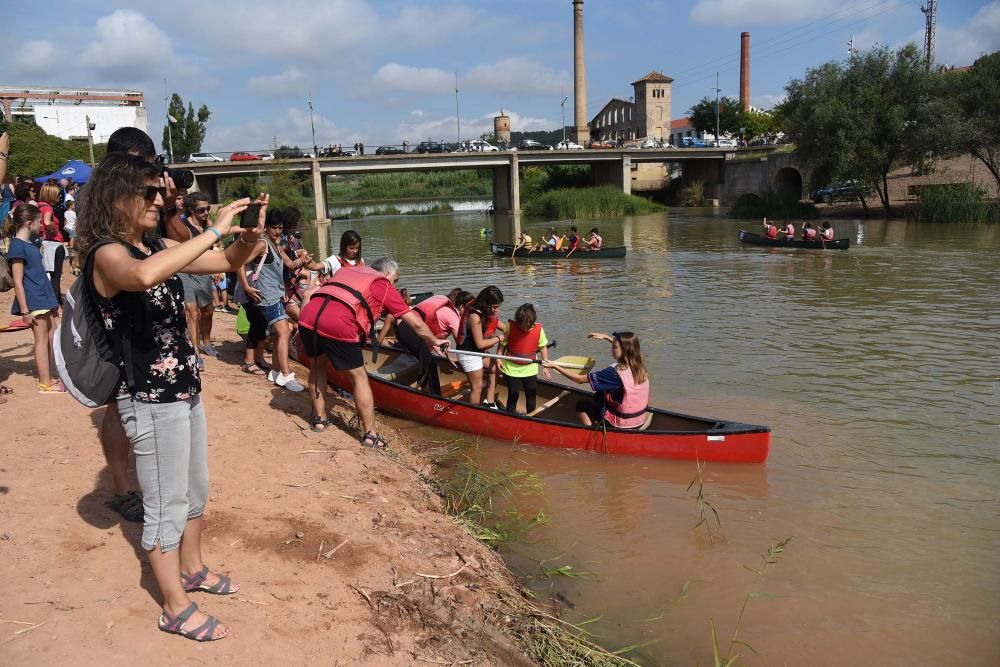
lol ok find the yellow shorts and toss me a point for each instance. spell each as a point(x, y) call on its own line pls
point(39, 313)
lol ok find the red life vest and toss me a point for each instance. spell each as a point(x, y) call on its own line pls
point(352, 286)
point(428, 308)
point(789, 230)
point(809, 234)
point(770, 231)
point(345, 263)
point(521, 343)
point(827, 233)
point(631, 412)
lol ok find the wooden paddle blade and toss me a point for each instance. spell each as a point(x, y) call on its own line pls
point(583, 364)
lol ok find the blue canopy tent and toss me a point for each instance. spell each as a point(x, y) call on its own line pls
point(75, 169)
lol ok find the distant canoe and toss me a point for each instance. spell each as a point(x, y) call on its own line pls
point(501, 250)
point(757, 239)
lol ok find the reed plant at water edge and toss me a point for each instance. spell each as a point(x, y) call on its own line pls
point(956, 202)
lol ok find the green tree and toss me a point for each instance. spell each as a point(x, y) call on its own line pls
point(757, 122)
point(861, 119)
point(187, 128)
point(34, 153)
point(968, 113)
point(702, 116)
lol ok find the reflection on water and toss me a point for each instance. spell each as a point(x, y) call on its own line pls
point(876, 368)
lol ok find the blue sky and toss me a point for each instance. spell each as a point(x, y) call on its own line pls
point(383, 71)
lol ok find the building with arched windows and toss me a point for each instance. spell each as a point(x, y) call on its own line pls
point(645, 114)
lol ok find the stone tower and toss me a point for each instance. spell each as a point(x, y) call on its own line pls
point(581, 132)
point(652, 106)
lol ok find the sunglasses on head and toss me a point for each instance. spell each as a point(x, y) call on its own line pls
point(617, 336)
point(150, 192)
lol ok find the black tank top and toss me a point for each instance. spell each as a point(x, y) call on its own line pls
point(164, 364)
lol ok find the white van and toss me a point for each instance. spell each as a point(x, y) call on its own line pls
point(482, 146)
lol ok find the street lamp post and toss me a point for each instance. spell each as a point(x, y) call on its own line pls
point(458, 118)
point(90, 140)
point(312, 125)
point(563, 105)
point(718, 132)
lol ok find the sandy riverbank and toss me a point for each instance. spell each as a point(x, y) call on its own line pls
point(344, 554)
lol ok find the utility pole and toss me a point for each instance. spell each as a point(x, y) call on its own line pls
point(718, 132)
point(312, 124)
point(90, 140)
point(563, 105)
point(930, 11)
point(850, 48)
point(458, 118)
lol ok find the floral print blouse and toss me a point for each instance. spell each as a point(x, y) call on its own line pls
point(163, 358)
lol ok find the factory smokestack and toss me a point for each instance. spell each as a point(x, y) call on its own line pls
point(581, 130)
point(745, 71)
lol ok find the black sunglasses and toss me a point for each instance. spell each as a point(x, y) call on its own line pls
point(203, 209)
point(149, 194)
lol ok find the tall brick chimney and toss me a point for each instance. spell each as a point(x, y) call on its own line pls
point(745, 70)
point(581, 132)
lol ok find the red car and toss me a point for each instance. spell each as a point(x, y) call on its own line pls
point(597, 143)
point(242, 157)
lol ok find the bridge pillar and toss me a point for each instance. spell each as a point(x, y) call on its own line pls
point(506, 227)
point(319, 194)
point(207, 185)
point(507, 188)
point(617, 174)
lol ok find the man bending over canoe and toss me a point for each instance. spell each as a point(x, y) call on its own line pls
point(623, 387)
point(337, 321)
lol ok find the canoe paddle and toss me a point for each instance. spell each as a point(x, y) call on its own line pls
point(582, 363)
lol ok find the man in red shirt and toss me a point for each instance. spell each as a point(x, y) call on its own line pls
point(336, 323)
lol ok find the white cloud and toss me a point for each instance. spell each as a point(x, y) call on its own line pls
point(37, 58)
point(445, 128)
point(315, 31)
point(776, 12)
point(963, 45)
point(512, 76)
point(766, 102)
point(517, 76)
point(128, 47)
point(289, 82)
point(421, 80)
point(293, 129)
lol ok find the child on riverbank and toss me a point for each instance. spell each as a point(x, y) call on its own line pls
point(35, 301)
point(525, 338)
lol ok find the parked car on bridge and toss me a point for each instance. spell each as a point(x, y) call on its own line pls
point(389, 150)
point(722, 143)
point(843, 191)
point(655, 143)
point(205, 157)
point(532, 145)
point(242, 156)
point(600, 143)
point(693, 142)
point(265, 156)
point(431, 147)
point(568, 145)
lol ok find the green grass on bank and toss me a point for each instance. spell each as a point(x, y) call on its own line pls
point(955, 202)
point(594, 202)
point(410, 185)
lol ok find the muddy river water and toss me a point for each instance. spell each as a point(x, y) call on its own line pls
point(877, 369)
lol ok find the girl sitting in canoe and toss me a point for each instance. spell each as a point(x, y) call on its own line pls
point(770, 231)
point(808, 232)
point(827, 232)
point(548, 242)
point(525, 338)
point(479, 335)
point(623, 387)
point(789, 231)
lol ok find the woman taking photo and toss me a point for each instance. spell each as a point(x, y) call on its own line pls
point(140, 298)
point(624, 387)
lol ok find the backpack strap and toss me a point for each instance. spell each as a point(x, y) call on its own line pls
point(372, 335)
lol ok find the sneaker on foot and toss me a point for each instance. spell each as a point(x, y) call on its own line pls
point(288, 382)
point(209, 350)
point(200, 364)
point(272, 376)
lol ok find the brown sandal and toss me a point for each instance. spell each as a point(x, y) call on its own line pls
point(251, 369)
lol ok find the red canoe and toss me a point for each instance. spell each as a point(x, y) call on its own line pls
point(554, 423)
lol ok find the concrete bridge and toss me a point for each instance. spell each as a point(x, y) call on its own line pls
point(727, 174)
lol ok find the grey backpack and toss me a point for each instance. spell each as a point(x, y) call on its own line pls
point(88, 359)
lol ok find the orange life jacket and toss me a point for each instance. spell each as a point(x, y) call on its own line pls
point(352, 286)
point(521, 343)
point(428, 308)
point(770, 231)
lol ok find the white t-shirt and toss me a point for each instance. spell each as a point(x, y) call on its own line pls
point(332, 264)
point(70, 220)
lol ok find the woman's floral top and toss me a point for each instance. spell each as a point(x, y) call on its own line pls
point(163, 358)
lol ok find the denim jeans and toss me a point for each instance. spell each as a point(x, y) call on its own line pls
point(170, 441)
